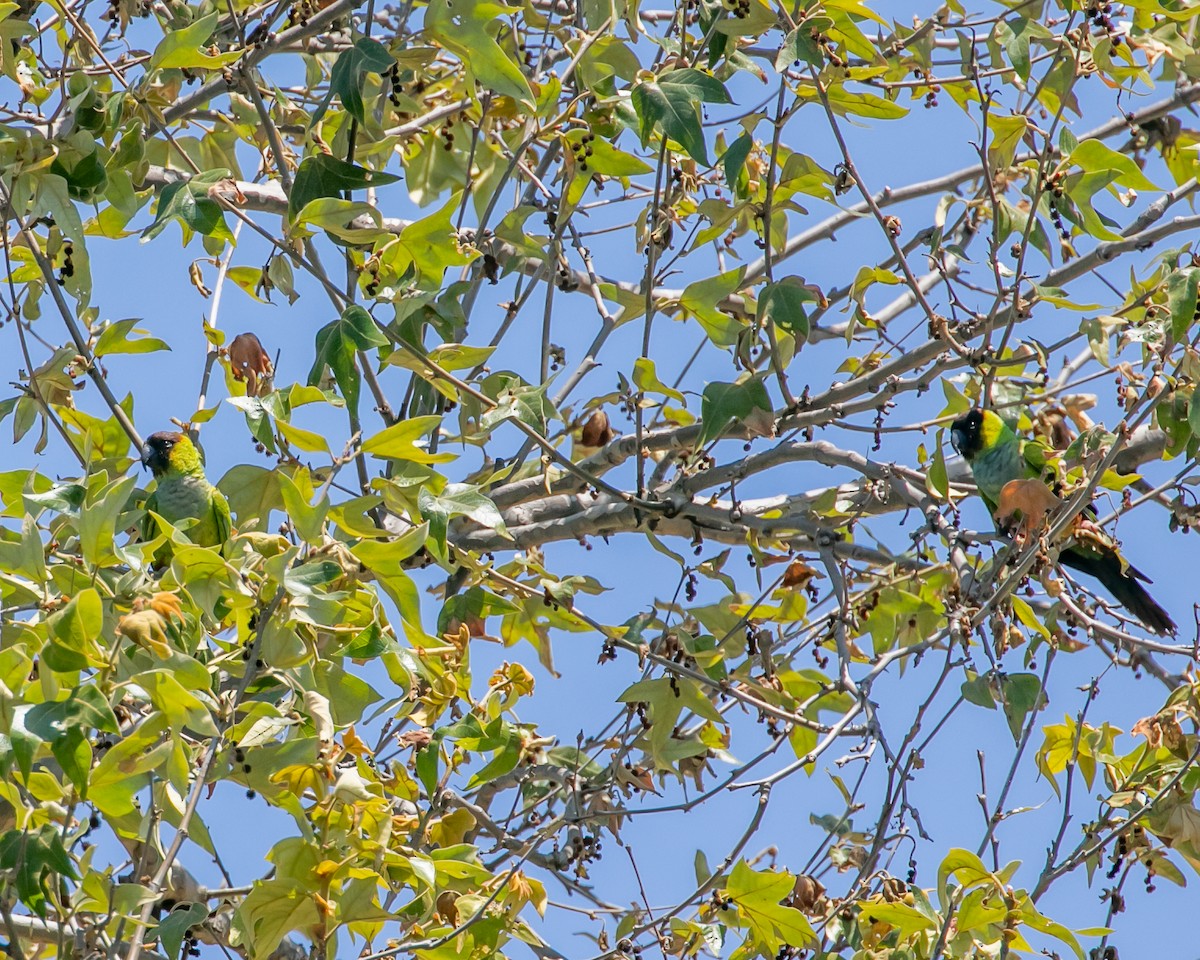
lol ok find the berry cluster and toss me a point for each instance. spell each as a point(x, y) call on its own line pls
point(393, 78)
point(935, 88)
point(1098, 15)
point(67, 270)
point(583, 149)
point(1127, 844)
point(583, 849)
point(260, 36)
point(112, 12)
point(1053, 185)
point(239, 757)
point(301, 10)
point(565, 280)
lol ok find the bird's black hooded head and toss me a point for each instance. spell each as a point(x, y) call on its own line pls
point(156, 451)
point(966, 434)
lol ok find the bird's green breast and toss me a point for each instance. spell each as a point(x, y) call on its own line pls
point(996, 466)
point(179, 498)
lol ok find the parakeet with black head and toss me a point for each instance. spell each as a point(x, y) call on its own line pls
point(997, 455)
point(183, 492)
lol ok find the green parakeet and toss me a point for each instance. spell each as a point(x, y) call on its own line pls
point(997, 455)
point(183, 492)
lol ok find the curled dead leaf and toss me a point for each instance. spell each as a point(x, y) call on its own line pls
point(415, 738)
point(166, 605)
point(1030, 500)
point(799, 573)
point(808, 894)
point(248, 362)
point(146, 629)
point(1149, 728)
point(595, 433)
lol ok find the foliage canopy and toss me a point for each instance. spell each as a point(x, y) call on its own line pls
point(752, 258)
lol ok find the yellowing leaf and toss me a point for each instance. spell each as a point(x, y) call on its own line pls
point(757, 895)
point(398, 442)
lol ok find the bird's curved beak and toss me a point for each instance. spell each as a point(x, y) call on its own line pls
point(148, 456)
point(958, 440)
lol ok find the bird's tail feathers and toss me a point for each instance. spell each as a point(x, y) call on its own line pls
point(1121, 580)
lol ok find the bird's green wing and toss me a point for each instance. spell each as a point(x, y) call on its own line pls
point(221, 515)
point(1038, 458)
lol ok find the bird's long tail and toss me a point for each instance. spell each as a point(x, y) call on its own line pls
point(1121, 580)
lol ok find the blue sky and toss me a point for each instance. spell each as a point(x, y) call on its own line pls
point(151, 280)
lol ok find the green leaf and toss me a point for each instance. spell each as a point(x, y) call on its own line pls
point(304, 439)
point(1094, 156)
point(734, 159)
point(1181, 298)
point(324, 175)
point(98, 520)
point(455, 356)
point(1022, 694)
point(172, 928)
point(115, 339)
point(908, 920)
point(336, 217)
point(182, 708)
point(249, 280)
point(430, 245)
point(1033, 918)
point(966, 868)
point(723, 403)
point(700, 86)
point(308, 518)
point(1006, 137)
point(937, 481)
point(645, 378)
point(349, 74)
point(85, 174)
point(272, 910)
point(457, 499)
point(978, 690)
point(74, 632)
point(800, 47)
point(672, 105)
point(252, 492)
point(1026, 615)
point(783, 302)
point(519, 401)
point(608, 161)
point(181, 48)
point(34, 859)
point(465, 27)
point(124, 769)
point(386, 560)
point(757, 895)
point(338, 343)
point(398, 442)
point(258, 419)
point(842, 101)
point(188, 202)
point(702, 300)
point(1194, 413)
